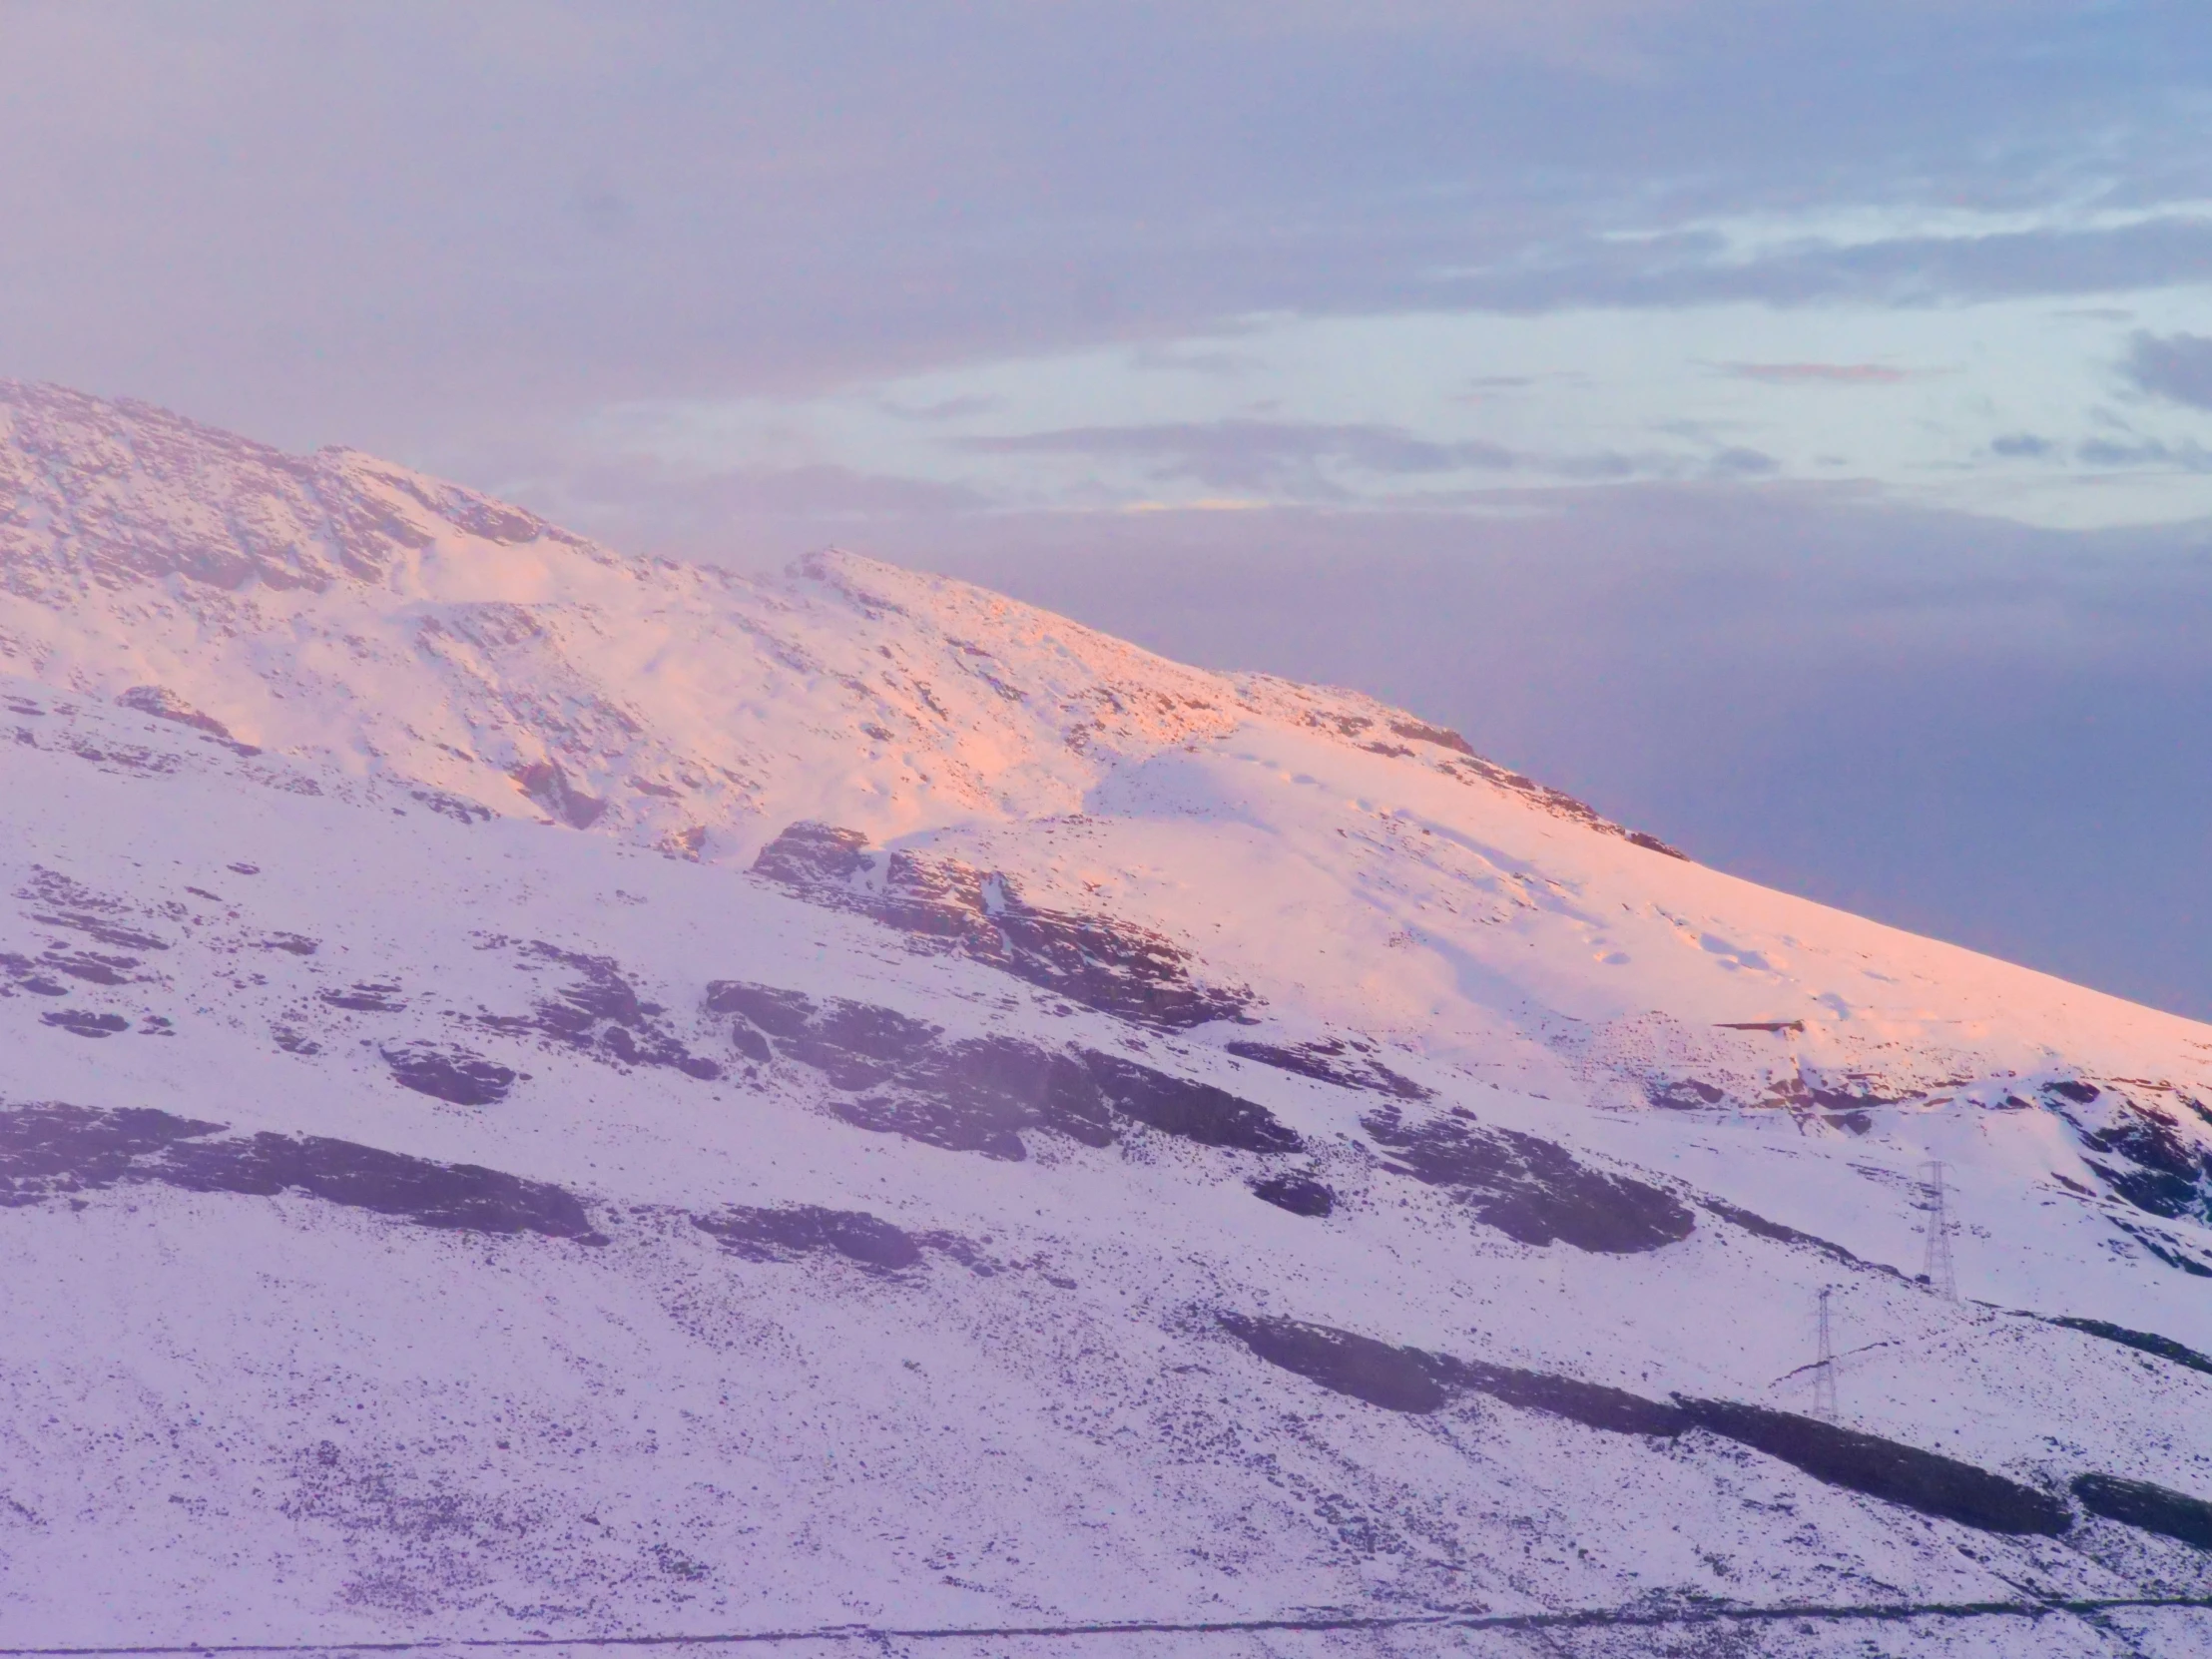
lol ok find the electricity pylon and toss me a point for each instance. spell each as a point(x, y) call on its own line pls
point(1823, 1369)
point(1939, 1273)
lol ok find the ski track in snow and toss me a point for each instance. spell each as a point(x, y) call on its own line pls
point(450, 1193)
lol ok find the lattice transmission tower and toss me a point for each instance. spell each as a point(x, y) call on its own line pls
point(1938, 1271)
point(1823, 1369)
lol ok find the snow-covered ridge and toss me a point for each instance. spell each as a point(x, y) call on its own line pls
point(548, 1092)
point(342, 606)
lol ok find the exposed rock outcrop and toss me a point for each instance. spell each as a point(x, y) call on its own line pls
point(1099, 962)
point(900, 1075)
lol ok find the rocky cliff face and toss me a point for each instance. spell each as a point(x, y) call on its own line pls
point(547, 1092)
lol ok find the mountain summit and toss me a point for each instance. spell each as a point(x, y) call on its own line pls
point(552, 1095)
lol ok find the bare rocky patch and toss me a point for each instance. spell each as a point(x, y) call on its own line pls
point(551, 790)
point(599, 1012)
point(1416, 1381)
point(1760, 1226)
point(2141, 1151)
point(54, 1150)
point(1348, 1062)
point(83, 1022)
point(164, 704)
point(795, 1231)
point(1195, 1111)
point(899, 1075)
point(1683, 1094)
point(2152, 1508)
point(91, 966)
point(1923, 1480)
point(1096, 960)
point(2142, 1342)
point(450, 1074)
point(369, 996)
point(56, 901)
point(1302, 1195)
point(23, 973)
point(1529, 1189)
point(458, 807)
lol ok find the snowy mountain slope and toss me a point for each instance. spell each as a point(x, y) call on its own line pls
point(398, 626)
point(1125, 1143)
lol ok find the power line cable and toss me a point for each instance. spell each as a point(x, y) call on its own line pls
point(1465, 1619)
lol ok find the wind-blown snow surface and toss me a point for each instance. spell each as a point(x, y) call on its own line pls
point(471, 1168)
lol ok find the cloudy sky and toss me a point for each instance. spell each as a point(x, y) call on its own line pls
point(1788, 422)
